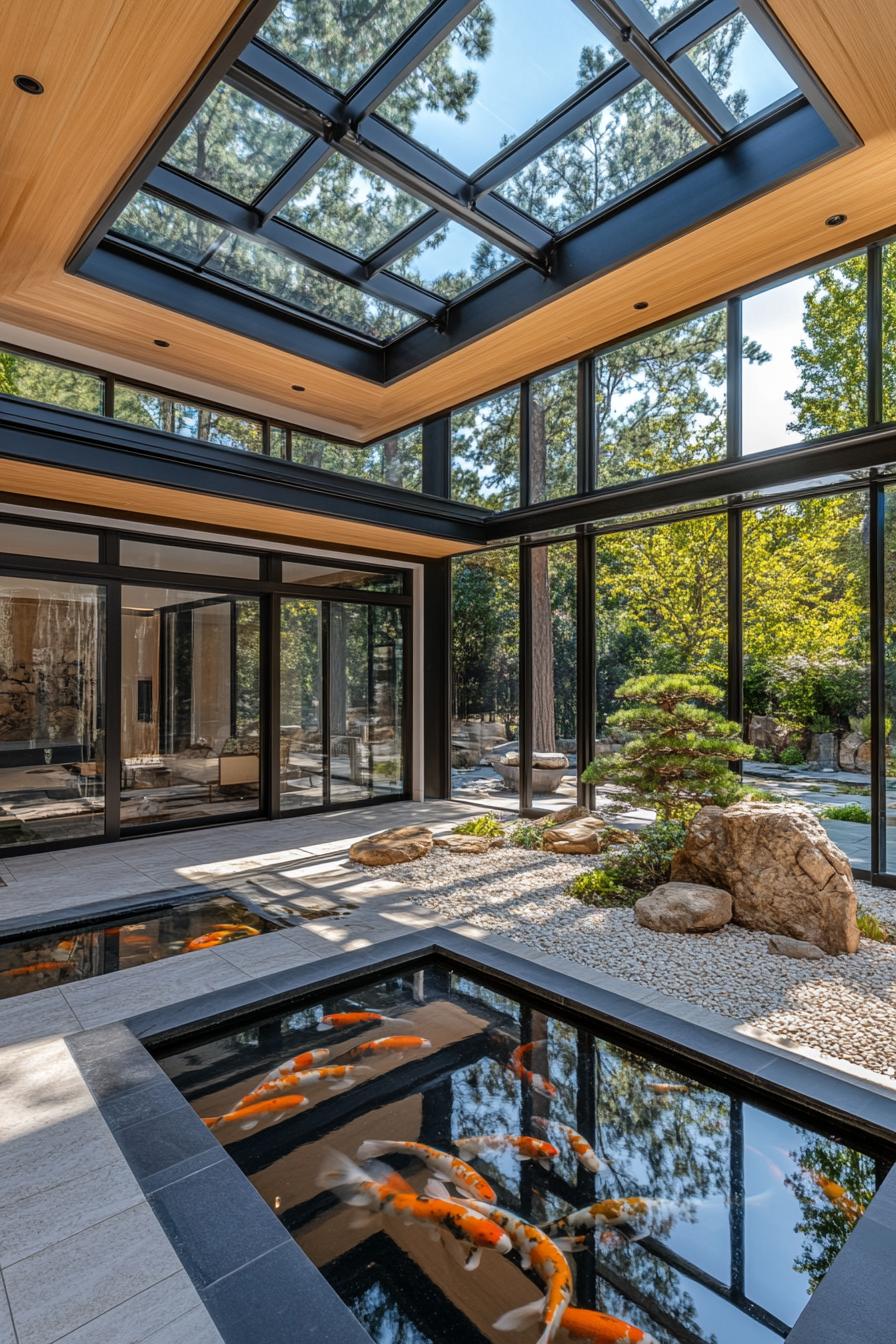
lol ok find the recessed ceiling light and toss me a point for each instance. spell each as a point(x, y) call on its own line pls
point(833, 221)
point(163, 344)
point(297, 387)
point(641, 305)
point(28, 84)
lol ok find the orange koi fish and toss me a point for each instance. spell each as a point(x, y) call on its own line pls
point(665, 1089)
point(204, 940)
point(383, 1045)
point(234, 928)
point(366, 1190)
point(596, 1328)
point(34, 968)
point(535, 1081)
point(249, 1116)
point(842, 1201)
point(522, 1147)
point(585, 1154)
point(536, 1251)
point(308, 1059)
point(340, 1078)
point(451, 1169)
point(339, 1021)
point(621, 1214)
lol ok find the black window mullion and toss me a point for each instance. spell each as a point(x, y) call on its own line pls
point(525, 455)
point(878, 607)
point(734, 341)
point(735, 621)
point(269, 675)
point(112, 711)
point(586, 659)
point(875, 334)
point(586, 467)
point(525, 679)
point(325, 701)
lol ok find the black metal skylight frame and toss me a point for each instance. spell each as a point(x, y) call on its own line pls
point(737, 162)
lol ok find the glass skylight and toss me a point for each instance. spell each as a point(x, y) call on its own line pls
point(504, 67)
point(166, 227)
point(338, 42)
point(235, 143)
point(272, 273)
point(345, 204)
point(739, 66)
point(628, 142)
point(451, 261)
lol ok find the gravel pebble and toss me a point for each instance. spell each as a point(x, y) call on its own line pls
point(842, 1006)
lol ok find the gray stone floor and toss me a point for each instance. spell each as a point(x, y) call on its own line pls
point(82, 1257)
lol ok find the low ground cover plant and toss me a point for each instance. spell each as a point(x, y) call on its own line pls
point(846, 812)
point(487, 825)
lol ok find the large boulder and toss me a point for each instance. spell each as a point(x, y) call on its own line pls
point(402, 844)
point(849, 745)
point(582, 835)
point(785, 875)
point(684, 907)
point(468, 844)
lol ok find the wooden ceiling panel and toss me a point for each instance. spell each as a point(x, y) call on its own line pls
point(113, 70)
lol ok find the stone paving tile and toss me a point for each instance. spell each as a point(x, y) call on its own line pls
point(55, 1148)
point(149, 1315)
point(7, 1334)
point(111, 998)
point(269, 952)
point(40, 1220)
point(197, 1327)
point(87, 1274)
point(34, 1016)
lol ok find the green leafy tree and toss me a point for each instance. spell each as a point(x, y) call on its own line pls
point(677, 759)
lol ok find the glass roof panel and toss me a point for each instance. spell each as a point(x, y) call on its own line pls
point(235, 143)
point(451, 261)
point(280, 277)
point(336, 41)
point(166, 227)
point(503, 68)
point(345, 204)
point(739, 66)
point(625, 144)
point(664, 9)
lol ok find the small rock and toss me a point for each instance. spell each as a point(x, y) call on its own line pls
point(466, 844)
point(571, 813)
point(583, 835)
point(684, 907)
point(781, 946)
point(402, 844)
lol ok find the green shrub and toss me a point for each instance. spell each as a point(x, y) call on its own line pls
point(871, 927)
point(865, 726)
point(598, 888)
point(647, 863)
point(763, 754)
point(791, 756)
point(846, 812)
point(676, 757)
point(528, 834)
point(748, 795)
point(488, 824)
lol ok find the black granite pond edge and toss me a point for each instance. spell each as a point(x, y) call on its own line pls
point(257, 1283)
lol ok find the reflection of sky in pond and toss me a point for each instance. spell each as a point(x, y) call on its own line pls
point(681, 1148)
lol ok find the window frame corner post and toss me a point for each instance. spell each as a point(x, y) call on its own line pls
point(436, 460)
point(877, 608)
point(735, 614)
point(874, 353)
point(112, 710)
point(437, 688)
point(586, 659)
point(269, 802)
point(525, 679)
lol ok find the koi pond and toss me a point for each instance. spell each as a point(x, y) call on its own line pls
point(79, 952)
point(463, 1166)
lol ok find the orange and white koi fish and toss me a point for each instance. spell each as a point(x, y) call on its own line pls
point(249, 1116)
point(387, 1045)
point(451, 1169)
point(585, 1154)
point(204, 940)
point(666, 1089)
point(597, 1328)
point(624, 1215)
point(535, 1081)
point(34, 968)
point(842, 1201)
point(307, 1059)
point(338, 1077)
point(234, 928)
point(522, 1147)
point(537, 1252)
point(339, 1021)
point(368, 1190)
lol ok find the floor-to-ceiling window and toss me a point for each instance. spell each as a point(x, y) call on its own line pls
point(191, 743)
point(165, 683)
point(806, 651)
point(52, 727)
point(485, 661)
point(554, 641)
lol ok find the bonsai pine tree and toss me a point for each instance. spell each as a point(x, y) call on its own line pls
point(677, 757)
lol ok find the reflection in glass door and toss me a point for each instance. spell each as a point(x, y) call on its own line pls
point(366, 699)
point(190, 736)
point(52, 739)
point(302, 745)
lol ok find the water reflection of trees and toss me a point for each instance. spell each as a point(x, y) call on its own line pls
point(823, 1226)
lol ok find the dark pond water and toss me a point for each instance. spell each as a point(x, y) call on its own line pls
point(83, 951)
point(734, 1212)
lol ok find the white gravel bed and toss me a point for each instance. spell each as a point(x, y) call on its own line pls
point(842, 1006)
